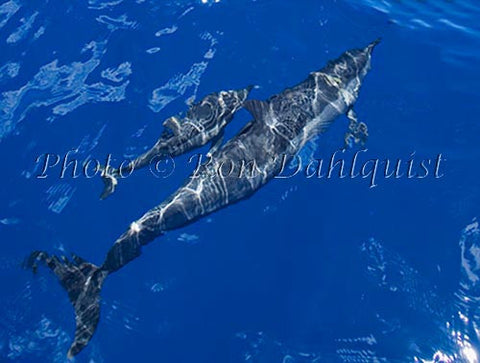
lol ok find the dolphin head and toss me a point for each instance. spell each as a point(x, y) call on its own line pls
point(361, 58)
point(217, 108)
point(233, 100)
point(353, 64)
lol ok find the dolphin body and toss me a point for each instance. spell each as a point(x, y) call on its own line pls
point(204, 122)
point(282, 125)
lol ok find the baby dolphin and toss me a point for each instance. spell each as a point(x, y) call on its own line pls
point(203, 122)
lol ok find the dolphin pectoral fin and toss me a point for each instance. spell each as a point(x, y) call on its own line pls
point(109, 178)
point(173, 124)
point(83, 282)
point(357, 131)
point(258, 109)
point(216, 143)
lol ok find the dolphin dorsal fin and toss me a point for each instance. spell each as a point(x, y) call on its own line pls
point(173, 124)
point(258, 109)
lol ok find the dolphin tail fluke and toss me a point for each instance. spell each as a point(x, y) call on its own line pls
point(109, 178)
point(83, 282)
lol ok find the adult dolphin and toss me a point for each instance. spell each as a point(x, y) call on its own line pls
point(282, 126)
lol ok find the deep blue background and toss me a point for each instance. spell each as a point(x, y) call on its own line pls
point(282, 275)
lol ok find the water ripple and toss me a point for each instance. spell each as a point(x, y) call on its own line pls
point(101, 4)
point(461, 16)
point(259, 347)
point(166, 31)
point(120, 22)
point(178, 85)
point(22, 30)
point(58, 196)
point(62, 86)
point(458, 327)
point(118, 74)
point(7, 10)
point(9, 70)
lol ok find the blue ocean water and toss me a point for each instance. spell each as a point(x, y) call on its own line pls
point(308, 269)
